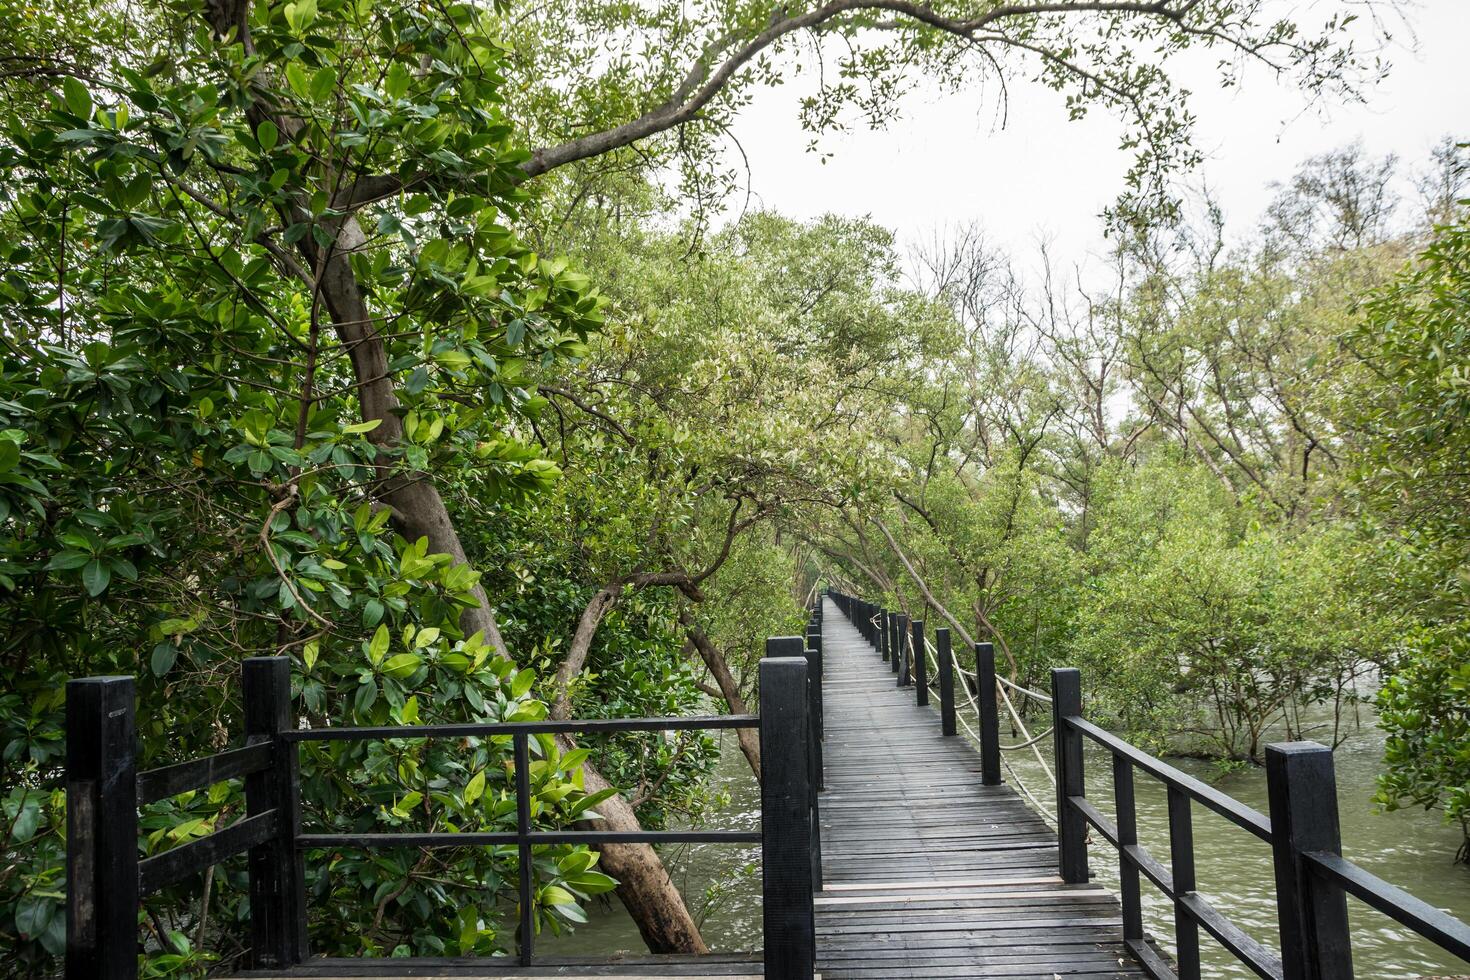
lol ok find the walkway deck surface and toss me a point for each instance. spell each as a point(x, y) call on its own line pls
point(927, 873)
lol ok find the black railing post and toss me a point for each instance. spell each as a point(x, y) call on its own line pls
point(1066, 696)
point(921, 662)
point(521, 746)
point(1302, 788)
point(885, 627)
point(904, 651)
point(989, 714)
point(101, 830)
point(814, 670)
point(275, 869)
point(793, 647)
point(946, 682)
point(1128, 881)
point(786, 821)
point(895, 647)
point(1181, 866)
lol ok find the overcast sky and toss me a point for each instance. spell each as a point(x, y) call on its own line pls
point(948, 161)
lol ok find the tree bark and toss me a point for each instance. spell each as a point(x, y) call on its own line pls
point(419, 511)
point(748, 738)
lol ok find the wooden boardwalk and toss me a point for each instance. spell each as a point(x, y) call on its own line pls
point(927, 873)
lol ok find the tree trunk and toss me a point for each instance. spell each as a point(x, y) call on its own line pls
point(748, 738)
point(644, 885)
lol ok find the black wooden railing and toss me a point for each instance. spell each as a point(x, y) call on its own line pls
point(1312, 878)
point(106, 880)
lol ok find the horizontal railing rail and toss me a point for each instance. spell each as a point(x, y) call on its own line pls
point(492, 728)
point(107, 879)
point(1312, 879)
point(1435, 925)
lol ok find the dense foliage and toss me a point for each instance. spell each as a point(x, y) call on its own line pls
point(287, 367)
point(1228, 486)
point(1415, 339)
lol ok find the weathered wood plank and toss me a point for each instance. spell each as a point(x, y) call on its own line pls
point(927, 871)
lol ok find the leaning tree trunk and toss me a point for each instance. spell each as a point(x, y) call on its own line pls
point(419, 511)
point(749, 739)
point(644, 885)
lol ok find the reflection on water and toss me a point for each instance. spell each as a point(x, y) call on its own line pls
point(1411, 849)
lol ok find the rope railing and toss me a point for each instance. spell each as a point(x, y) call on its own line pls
point(1312, 877)
point(1047, 813)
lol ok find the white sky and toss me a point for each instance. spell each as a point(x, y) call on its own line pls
point(946, 161)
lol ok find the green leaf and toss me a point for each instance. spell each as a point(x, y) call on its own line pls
point(266, 135)
point(521, 683)
point(402, 665)
point(475, 788)
point(9, 455)
point(379, 644)
point(322, 83)
point(162, 660)
point(96, 576)
point(572, 760)
point(68, 560)
point(556, 895)
point(592, 882)
point(296, 79)
point(78, 100)
point(360, 427)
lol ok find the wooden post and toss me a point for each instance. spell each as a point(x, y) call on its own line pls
point(921, 662)
point(521, 747)
point(276, 871)
point(905, 653)
point(814, 686)
point(1066, 694)
point(1181, 864)
point(792, 648)
point(947, 724)
point(786, 821)
point(989, 714)
point(895, 650)
point(101, 830)
point(1312, 911)
point(1128, 881)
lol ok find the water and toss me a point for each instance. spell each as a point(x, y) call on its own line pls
point(1411, 849)
point(720, 882)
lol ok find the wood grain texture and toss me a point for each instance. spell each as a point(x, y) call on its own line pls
point(926, 871)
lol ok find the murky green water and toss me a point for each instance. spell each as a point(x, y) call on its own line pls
point(720, 882)
point(1412, 849)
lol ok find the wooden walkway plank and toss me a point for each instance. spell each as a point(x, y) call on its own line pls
point(926, 873)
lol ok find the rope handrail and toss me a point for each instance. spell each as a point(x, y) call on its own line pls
point(1030, 741)
point(970, 699)
point(1024, 690)
point(1046, 698)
